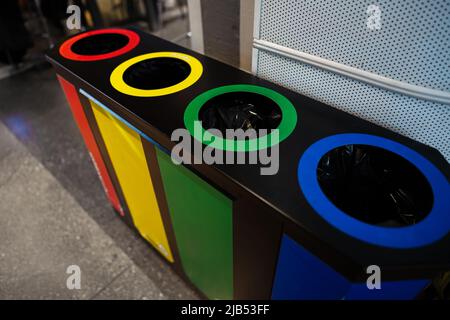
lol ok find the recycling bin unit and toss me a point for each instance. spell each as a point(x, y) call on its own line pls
point(343, 196)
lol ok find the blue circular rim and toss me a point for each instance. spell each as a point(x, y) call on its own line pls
point(435, 226)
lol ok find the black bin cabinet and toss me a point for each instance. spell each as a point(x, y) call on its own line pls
point(349, 196)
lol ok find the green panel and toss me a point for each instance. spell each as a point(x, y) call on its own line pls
point(202, 221)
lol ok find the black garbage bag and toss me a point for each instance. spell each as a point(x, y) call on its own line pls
point(374, 185)
point(240, 110)
point(156, 73)
point(100, 44)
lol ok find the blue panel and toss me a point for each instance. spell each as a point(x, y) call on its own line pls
point(394, 290)
point(301, 275)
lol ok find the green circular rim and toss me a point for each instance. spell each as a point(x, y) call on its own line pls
point(285, 128)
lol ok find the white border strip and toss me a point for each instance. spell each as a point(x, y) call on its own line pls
point(354, 73)
point(257, 18)
point(256, 28)
point(255, 61)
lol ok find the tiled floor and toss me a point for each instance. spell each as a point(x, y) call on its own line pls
point(48, 181)
point(44, 230)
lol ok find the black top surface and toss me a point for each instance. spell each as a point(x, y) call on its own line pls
point(316, 120)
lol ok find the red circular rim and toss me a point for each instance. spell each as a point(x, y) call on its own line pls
point(66, 48)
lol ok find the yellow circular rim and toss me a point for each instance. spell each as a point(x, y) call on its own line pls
point(119, 84)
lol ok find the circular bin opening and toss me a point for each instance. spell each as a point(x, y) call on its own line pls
point(99, 44)
point(240, 107)
point(240, 110)
point(376, 190)
point(156, 74)
point(375, 185)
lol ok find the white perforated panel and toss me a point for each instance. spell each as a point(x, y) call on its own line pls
point(413, 46)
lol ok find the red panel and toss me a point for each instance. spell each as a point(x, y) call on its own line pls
point(83, 125)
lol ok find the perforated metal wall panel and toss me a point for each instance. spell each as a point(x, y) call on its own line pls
point(421, 120)
point(411, 45)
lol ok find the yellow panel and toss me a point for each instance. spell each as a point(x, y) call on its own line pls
point(128, 159)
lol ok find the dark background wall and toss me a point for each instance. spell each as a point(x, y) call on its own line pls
point(220, 19)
